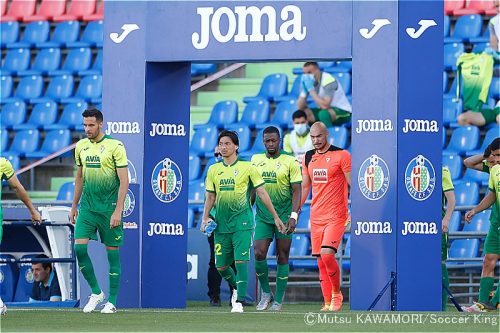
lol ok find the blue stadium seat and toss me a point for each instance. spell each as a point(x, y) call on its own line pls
point(495, 88)
point(204, 141)
point(55, 140)
point(71, 117)
point(463, 248)
point(196, 190)
point(337, 136)
point(479, 223)
point(467, 193)
point(451, 110)
point(454, 164)
point(44, 113)
point(304, 221)
point(451, 53)
point(223, 113)
point(346, 263)
point(66, 192)
point(210, 161)
point(446, 26)
point(64, 33)
point(282, 115)
point(255, 112)
point(194, 167)
point(13, 113)
point(9, 273)
point(29, 87)
point(78, 59)
point(25, 281)
point(244, 135)
point(5, 87)
point(4, 138)
point(14, 160)
point(473, 175)
point(274, 85)
point(466, 27)
point(9, 32)
point(190, 219)
point(480, 47)
point(60, 87)
point(491, 135)
point(34, 33)
point(96, 66)
point(89, 89)
point(24, 142)
point(203, 69)
point(294, 92)
point(46, 60)
point(93, 36)
point(462, 140)
point(340, 67)
point(300, 247)
point(455, 221)
point(484, 38)
point(445, 81)
point(344, 80)
point(258, 145)
point(15, 60)
point(452, 93)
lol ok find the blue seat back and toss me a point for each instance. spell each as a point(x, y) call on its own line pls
point(25, 141)
point(304, 218)
point(295, 91)
point(473, 175)
point(17, 59)
point(451, 53)
point(480, 222)
point(15, 161)
point(48, 59)
point(283, 113)
point(464, 139)
point(194, 167)
point(258, 145)
point(90, 87)
point(190, 219)
point(94, 32)
point(344, 80)
point(491, 135)
point(455, 221)
point(8, 278)
point(451, 110)
point(66, 191)
point(480, 47)
point(56, 140)
point(244, 135)
point(44, 113)
point(468, 26)
point(346, 263)
point(495, 88)
point(29, 87)
point(60, 87)
point(274, 85)
point(36, 32)
point(445, 81)
point(4, 139)
point(204, 140)
point(256, 112)
point(454, 164)
point(9, 32)
point(446, 26)
point(5, 86)
point(13, 113)
point(300, 245)
point(466, 193)
point(72, 113)
point(97, 65)
point(25, 281)
point(464, 248)
point(224, 113)
point(337, 136)
point(196, 190)
point(78, 59)
point(66, 32)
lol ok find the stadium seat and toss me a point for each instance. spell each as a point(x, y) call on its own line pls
point(4, 138)
point(466, 193)
point(196, 190)
point(190, 219)
point(203, 69)
point(5, 87)
point(340, 67)
point(35, 32)
point(451, 5)
point(304, 221)
point(96, 66)
point(46, 60)
point(466, 27)
point(77, 10)
point(491, 135)
point(454, 164)
point(29, 87)
point(18, 9)
point(475, 7)
point(89, 89)
point(54, 141)
point(294, 92)
point(479, 223)
point(98, 15)
point(47, 10)
point(194, 167)
point(451, 53)
point(451, 109)
point(223, 113)
point(244, 135)
point(455, 221)
point(204, 140)
point(337, 136)
point(24, 142)
point(473, 175)
point(282, 115)
point(9, 32)
point(66, 192)
point(60, 87)
point(495, 88)
point(484, 38)
point(78, 59)
point(15, 60)
point(44, 113)
point(274, 85)
point(258, 145)
point(255, 112)
point(463, 248)
point(479, 47)
point(9, 273)
point(300, 247)
point(446, 26)
point(14, 160)
point(65, 32)
point(462, 140)
point(445, 82)
point(93, 36)
point(71, 117)
point(25, 281)
point(344, 79)
point(13, 113)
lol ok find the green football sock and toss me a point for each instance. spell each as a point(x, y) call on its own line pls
point(446, 283)
point(86, 267)
point(485, 285)
point(262, 272)
point(114, 274)
point(281, 282)
point(496, 298)
point(228, 275)
point(242, 279)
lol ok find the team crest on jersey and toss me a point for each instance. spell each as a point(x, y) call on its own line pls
point(278, 165)
point(129, 204)
point(132, 173)
point(30, 278)
point(166, 180)
point(320, 176)
point(420, 178)
point(327, 159)
point(235, 172)
point(373, 178)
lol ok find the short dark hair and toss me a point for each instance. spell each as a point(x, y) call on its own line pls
point(311, 63)
point(231, 135)
point(45, 265)
point(93, 112)
point(299, 114)
point(270, 130)
point(494, 145)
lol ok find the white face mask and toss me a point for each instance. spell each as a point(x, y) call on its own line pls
point(311, 76)
point(301, 129)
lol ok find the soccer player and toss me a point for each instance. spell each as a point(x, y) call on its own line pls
point(448, 207)
point(101, 183)
point(327, 169)
point(7, 173)
point(485, 162)
point(228, 187)
point(283, 178)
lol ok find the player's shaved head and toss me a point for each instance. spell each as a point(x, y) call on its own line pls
point(319, 136)
point(319, 127)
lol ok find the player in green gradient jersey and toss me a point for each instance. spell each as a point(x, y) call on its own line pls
point(228, 187)
point(283, 177)
point(448, 206)
point(101, 183)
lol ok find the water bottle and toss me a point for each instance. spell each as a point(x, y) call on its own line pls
point(210, 227)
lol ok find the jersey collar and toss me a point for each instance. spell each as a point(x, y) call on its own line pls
point(236, 161)
point(269, 157)
point(102, 139)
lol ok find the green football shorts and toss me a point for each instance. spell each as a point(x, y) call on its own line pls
point(444, 246)
point(265, 230)
point(492, 242)
point(232, 247)
point(88, 223)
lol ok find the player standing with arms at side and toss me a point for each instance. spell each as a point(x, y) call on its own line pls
point(228, 187)
point(102, 183)
point(327, 169)
point(282, 175)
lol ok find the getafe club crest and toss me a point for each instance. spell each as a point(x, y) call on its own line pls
point(129, 204)
point(373, 178)
point(30, 278)
point(420, 178)
point(166, 180)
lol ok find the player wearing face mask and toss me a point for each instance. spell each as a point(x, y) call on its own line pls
point(298, 141)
